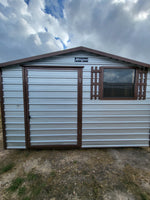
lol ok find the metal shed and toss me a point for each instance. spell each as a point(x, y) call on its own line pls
point(75, 98)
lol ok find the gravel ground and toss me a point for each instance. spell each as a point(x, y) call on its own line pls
point(105, 174)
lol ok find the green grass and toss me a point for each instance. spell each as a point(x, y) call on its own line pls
point(32, 176)
point(15, 184)
point(53, 174)
point(26, 198)
point(7, 168)
point(21, 191)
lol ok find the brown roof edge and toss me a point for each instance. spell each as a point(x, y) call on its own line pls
point(81, 48)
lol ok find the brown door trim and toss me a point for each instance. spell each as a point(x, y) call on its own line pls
point(2, 111)
point(79, 108)
point(26, 109)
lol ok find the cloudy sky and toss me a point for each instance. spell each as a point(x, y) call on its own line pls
point(33, 27)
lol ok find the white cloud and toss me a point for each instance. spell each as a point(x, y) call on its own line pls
point(117, 26)
point(23, 32)
point(110, 27)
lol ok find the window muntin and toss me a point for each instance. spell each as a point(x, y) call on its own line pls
point(118, 83)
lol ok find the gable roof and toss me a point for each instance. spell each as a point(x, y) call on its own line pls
point(72, 50)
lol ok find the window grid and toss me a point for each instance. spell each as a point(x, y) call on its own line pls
point(141, 84)
point(97, 83)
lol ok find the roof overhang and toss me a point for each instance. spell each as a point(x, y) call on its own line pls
point(72, 50)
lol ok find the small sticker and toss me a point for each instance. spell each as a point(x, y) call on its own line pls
point(81, 59)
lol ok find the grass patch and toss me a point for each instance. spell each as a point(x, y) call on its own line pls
point(26, 198)
point(53, 174)
point(144, 196)
point(32, 176)
point(21, 191)
point(15, 184)
point(131, 180)
point(35, 185)
point(7, 168)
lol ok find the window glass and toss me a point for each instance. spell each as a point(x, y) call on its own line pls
point(118, 83)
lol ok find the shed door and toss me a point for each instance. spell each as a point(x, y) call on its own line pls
point(53, 107)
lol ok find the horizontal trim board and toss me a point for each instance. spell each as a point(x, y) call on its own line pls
point(117, 116)
point(115, 122)
point(98, 110)
point(118, 128)
point(90, 116)
point(40, 103)
point(124, 145)
point(52, 141)
point(53, 110)
point(113, 140)
point(100, 122)
point(15, 135)
point(16, 147)
point(51, 135)
point(113, 134)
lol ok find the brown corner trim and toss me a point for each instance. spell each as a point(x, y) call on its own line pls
point(26, 106)
point(2, 111)
point(79, 108)
point(149, 137)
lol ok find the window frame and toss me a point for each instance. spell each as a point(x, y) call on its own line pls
point(119, 98)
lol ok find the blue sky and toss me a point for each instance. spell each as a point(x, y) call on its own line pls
point(33, 27)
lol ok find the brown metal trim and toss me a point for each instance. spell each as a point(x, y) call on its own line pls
point(145, 83)
point(149, 137)
point(79, 138)
point(91, 82)
point(136, 83)
point(2, 111)
point(141, 83)
point(72, 50)
point(96, 71)
point(52, 66)
point(96, 82)
point(101, 83)
point(26, 107)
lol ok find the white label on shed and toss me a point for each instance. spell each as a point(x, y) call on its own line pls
point(81, 59)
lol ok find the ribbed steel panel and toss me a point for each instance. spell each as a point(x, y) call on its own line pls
point(69, 60)
point(114, 123)
point(127, 117)
point(53, 106)
point(13, 106)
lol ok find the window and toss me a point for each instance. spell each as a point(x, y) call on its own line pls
point(118, 83)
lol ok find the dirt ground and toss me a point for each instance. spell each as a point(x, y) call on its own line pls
point(90, 174)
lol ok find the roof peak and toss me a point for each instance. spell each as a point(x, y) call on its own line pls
point(71, 50)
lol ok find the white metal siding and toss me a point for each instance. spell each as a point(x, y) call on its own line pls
point(13, 106)
point(68, 60)
point(53, 106)
point(108, 123)
point(113, 123)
